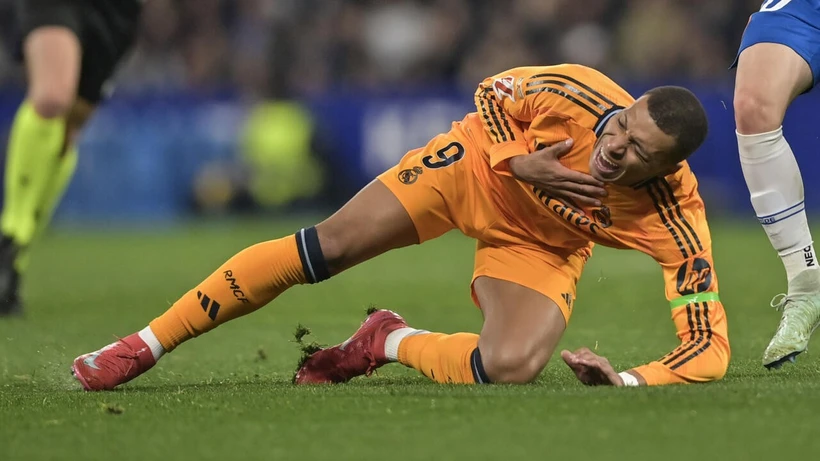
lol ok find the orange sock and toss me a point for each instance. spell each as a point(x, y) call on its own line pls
point(249, 280)
point(444, 358)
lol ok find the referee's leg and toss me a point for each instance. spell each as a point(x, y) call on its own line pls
point(52, 55)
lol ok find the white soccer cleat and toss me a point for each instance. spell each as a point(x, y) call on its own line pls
point(801, 316)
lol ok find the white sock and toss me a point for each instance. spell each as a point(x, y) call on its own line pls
point(776, 190)
point(801, 261)
point(151, 340)
point(394, 339)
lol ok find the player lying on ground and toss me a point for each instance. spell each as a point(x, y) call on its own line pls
point(70, 49)
point(778, 61)
point(481, 178)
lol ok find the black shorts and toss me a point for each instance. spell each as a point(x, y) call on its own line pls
point(105, 28)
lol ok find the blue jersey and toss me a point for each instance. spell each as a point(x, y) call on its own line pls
point(793, 23)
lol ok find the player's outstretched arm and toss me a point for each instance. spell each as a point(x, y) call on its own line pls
point(691, 286)
point(700, 321)
point(702, 356)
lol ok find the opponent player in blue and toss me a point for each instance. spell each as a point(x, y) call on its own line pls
point(778, 60)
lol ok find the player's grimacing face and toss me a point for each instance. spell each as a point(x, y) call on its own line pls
point(631, 148)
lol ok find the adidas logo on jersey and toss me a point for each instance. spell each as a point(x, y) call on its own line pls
point(567, 299)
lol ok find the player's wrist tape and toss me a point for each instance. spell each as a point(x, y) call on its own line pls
point(629, 379)
point(695, 298)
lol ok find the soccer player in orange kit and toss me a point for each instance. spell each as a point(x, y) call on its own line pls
point(535, 218)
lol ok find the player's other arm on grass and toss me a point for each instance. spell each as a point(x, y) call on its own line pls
point(678, 238)
point(507, 112)
point(700, 323)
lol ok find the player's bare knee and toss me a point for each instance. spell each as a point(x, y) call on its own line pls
point(513, 365)
point(756, 112)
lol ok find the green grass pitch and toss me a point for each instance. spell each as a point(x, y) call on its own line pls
point(227, 395)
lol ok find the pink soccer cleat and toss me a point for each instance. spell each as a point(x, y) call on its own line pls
point(114, 364)
point(360, 355)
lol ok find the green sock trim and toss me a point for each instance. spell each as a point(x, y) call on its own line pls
point(695, 298)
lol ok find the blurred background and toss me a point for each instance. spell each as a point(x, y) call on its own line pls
point(255, 106)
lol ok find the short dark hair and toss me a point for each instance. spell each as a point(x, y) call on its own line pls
point(678, 113)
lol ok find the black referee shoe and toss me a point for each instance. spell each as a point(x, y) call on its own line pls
point(10, 303)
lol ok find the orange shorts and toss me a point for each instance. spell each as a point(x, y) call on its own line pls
point(437, 186)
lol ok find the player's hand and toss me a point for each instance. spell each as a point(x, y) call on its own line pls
point(543, 170)
point(591, 369)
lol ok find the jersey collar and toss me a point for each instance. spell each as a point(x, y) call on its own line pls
point(599, 127)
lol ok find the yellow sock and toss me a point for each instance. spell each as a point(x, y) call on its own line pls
point(51, 198)
point(34, 149)
point(66, 166)
point(249, 280)
point(442, 358)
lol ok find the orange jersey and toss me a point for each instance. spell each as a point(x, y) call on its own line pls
point(530, 106)
point(664, 217)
